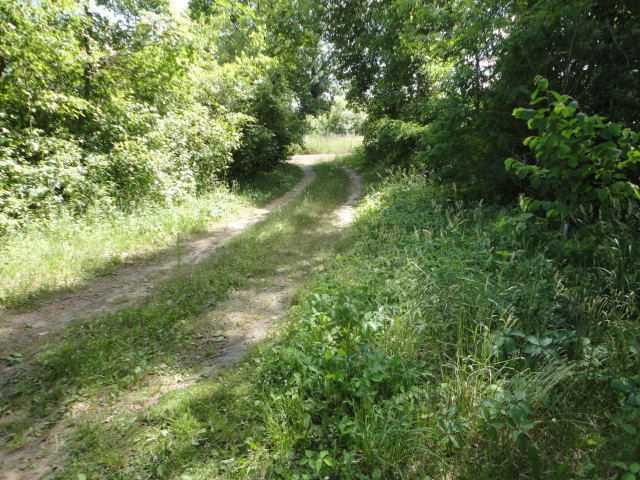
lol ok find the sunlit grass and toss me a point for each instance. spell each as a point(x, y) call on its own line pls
point(115, 353)
point(66, 251)
point(433, 346)
point(391, 367)
point(331, 143)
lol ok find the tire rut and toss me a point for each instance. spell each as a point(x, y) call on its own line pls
point(24, 332)
point(241, 321)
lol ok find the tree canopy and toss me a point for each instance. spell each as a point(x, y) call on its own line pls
point(122, 101)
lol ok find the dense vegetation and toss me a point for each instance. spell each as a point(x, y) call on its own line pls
point(481, 318)
point(122, 102)
point(495, 341)
point(435, 346)
point(126, 119)
point(440, 80)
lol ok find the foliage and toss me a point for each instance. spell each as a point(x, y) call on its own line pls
point(330, 143)
point(392, 142)
point(338, 120)
point(437, 344)
point(431, 346)
point(122, 103)
point(582, 163)
point(461, 67)
point(393, 370)
point(267, 139)
point(289, 31)
point(158, 335)
point(66, 251)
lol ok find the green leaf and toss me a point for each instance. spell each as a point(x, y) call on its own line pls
point(612, 153)
point(524, 113)
point(537, 123)
point(557, 96)
point(628, 476)
point(509, 344)
point(542, 83)
point(634, 468)
point(614, 129)
point(521, 441)
point(515, 412)
point(563, 151)
point(570, 109)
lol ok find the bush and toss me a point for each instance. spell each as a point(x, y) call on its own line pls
point(582, 163)
point(462, 147)
point(392, 142)
point(199, 147)
point(435, 347)
point(154, 109)
point(269, 137)
point(339, 120)
point(40, 174)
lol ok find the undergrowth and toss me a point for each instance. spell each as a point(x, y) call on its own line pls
point(66, 251)
point(434, 347)
point(100, 359)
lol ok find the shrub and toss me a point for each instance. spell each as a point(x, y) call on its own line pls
point(392, 142)
point(274, 129)
point(582, 163)
point(461, 147)
point(338, 120)
point(199, 146)
point(40, 174)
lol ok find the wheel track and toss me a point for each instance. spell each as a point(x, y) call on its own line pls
point(24, 332)
point(247, 315)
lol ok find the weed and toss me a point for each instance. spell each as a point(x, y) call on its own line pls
point(102, 357)
point(67, 251)
point(432, 346)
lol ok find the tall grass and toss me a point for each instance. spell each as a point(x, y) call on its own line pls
point(65, 251)
point(433, 347)
point(314, 143)
point(99, 358)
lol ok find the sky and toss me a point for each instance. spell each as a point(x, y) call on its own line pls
point(179, 5)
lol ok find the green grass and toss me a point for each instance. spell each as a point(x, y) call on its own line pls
point(162, 336)
point(432, 347)
point(330, 143)
point(66, 251)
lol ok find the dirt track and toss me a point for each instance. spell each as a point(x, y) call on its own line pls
point(242, 320)
point(24, 332)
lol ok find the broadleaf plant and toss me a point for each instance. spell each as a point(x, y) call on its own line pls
point(580, 162)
